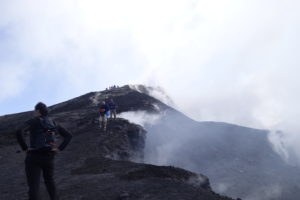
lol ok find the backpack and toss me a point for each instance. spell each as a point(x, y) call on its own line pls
point(45, 135)
point(102, 110)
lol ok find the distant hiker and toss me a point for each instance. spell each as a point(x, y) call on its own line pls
point(42, 150)
point(104, 113)
point(112, 108)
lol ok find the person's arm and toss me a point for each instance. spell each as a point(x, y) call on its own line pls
point(66, 135)
point(20, 137)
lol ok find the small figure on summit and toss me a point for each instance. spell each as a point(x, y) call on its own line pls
point(41, 151)
point(113, 108)
point(104, 113)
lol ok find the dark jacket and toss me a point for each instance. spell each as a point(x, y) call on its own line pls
point(34, 126)
point(112, 105)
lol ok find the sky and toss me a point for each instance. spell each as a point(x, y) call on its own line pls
point(234, 61)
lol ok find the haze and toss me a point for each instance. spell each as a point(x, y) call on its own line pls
point(234, 61)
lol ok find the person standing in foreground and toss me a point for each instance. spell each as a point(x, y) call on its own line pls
point(42, 150)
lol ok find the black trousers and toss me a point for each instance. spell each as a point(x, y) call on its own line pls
point(35, 164)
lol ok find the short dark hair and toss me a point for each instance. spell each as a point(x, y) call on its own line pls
point(40, 106)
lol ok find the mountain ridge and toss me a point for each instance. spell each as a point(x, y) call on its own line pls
point(96, 165)
point(239, 161)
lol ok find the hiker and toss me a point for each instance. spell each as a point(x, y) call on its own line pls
point(41, 151)
point(104, 113)
point(112, 108)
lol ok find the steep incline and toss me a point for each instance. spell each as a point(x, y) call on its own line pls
point(96, 164)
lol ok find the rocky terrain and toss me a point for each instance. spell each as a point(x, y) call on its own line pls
point(101, 165)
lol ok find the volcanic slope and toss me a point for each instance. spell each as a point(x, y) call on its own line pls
point(97, 164)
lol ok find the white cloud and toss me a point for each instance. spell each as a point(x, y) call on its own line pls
point(234, 61)
point(141, 117)
point(12, 79)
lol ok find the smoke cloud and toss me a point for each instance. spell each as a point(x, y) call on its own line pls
point(267, 192)
point(223, 152)
point(233, 61)
point(141, 117)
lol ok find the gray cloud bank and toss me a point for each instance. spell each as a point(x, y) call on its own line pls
point(239, 161)
point(234, 61)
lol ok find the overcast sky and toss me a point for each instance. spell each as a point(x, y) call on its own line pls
point(235, 61)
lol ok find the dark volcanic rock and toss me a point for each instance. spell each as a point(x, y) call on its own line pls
point(96, 165)
point(123, 141)
point(140, 181)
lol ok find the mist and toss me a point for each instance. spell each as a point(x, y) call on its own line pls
point(232, 61)
point(239, 161)
point(142, 118)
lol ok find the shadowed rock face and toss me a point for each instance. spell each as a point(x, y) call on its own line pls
point(239, 161)
point(97, 164)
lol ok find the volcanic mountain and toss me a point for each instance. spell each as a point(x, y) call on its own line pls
point(97, 164)
point(239, 161)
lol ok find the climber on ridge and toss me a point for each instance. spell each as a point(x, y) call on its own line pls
point(112, 108)
point(104, 113)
